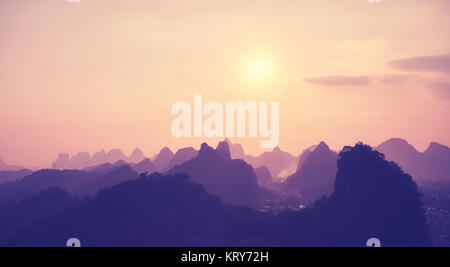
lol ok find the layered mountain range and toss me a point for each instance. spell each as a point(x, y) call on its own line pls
point(225, 171)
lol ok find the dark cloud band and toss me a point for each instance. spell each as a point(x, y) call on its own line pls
point(339, 80)
point(439, 63)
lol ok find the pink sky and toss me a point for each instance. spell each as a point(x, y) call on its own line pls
point(105, 73)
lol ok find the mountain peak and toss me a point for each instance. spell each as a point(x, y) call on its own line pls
point(396, 142)
point(396, 146)
point(137, 151)
point(137, 156)
point(322, 146)
point(434, 147)
point(166, 151)
point(224, 150)
point(206, 150)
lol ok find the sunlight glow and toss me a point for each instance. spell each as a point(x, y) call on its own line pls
point(259, 70)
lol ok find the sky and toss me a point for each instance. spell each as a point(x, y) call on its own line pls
point(104, 74)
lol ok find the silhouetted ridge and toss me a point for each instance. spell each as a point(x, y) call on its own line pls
point(432, 165)
point(11, 176)
point(150, 211)
point(237, 151)
point(182, 156)
point(375, 197)
point(73, 181)
point(206, 151)
point(145, 166)
point(316, 176)
point(120, 174)
point(68, 180)
point(279, 163)
point(232, 180)
point(83, 160)
point(224, 150)
point(136, 156)
point(302, 158)
point(102, 168)
point(162, 161)
point(6, 167)
point(264, 177)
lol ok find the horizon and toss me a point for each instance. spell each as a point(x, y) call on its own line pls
point(147, 155)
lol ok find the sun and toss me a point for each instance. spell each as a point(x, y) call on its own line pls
point(259, 70)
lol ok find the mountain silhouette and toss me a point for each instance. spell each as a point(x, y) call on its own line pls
point(83, 160)
point(11, 176)
point(116, 176)
point(182, 156)
point(232, 180)
point(374, 198)
point(73, 181)
point(264, 177)
point(223, 149)
point(150, 211)
point(436, 162)
point(278, 162)
point(62, 162)
point(433, 164)
point(304, 156)
point(237, 151)
point(115, 155)
point(99, 158)
point(316, 176)
point(6, 167)
point(68, 180)
point(145, 166)
point(162, 161)
point(37, 207)
point(101, 168)
point(80, 160)
point(136, 156)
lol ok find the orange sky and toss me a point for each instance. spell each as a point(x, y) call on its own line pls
point(105, 73)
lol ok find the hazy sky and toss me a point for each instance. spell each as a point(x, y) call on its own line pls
point(105, 73)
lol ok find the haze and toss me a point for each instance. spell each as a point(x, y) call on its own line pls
point(104, 74)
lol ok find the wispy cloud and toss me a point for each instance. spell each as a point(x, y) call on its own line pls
point(440, 63)
point(339, 80)
point(395, 78)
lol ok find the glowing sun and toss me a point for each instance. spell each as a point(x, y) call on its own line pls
point(259, 70)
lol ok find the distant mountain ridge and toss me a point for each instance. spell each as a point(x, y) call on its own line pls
point(315, 176)
point(11, 176)
point(83, 160)
point(7, 167)
point(232, 180)
point(73, 181)
point(279, 163)
point(433, 164)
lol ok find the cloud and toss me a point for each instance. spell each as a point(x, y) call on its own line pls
point(439, 64)
point(395, 78)
point(442, 89)
point(339, 80)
